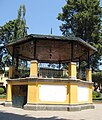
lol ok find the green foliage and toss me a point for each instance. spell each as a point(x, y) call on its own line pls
point(2, 90)
point(96, 94)
point(97, 57)
point(21, 22)
point(82, 18)
point(98, 99)
point(97, 77)
point(3, 96)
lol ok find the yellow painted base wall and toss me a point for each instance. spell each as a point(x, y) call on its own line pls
point(33, 92)
point(74, 94)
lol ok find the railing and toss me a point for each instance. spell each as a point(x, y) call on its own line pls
point(52, 73)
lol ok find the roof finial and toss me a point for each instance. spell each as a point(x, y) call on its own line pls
point(51, 30)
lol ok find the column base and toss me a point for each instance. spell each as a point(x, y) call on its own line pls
point(72, 78)
point(8, 104)
point(46, 107)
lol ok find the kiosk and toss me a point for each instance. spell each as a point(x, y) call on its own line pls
point(38, 93)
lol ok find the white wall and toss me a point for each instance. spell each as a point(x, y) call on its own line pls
point(52, 93)
point(83, 94)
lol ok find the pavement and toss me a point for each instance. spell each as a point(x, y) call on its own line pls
point(11, 113)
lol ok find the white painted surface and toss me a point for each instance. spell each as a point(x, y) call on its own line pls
point(52, 93)
point(83, 94)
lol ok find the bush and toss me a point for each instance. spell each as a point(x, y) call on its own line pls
point(3, 96)
point(2, 90)
point(96, 94)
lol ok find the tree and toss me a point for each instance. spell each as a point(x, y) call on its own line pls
point(97, 77)
point(21, 23)
point(82, 18)
point(9, 32)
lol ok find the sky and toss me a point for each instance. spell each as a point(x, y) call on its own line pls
point(41, 15)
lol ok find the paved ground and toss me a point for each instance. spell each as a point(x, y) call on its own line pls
point(10, 113)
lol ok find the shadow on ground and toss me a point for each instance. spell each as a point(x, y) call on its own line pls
point(11, 116)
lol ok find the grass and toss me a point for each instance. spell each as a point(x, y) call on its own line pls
point(3, 96)
point(98, 98)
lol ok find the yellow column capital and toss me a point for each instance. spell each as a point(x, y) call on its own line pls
point(34, 61)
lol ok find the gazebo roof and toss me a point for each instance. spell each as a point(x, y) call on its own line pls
point(50, 48)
